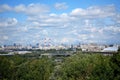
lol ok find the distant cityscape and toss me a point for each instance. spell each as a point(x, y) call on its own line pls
point(91, 47)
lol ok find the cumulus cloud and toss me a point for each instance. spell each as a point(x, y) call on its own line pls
point(32, 9)
point(8, 22)
point(116, 18)
point(91, 24)
point(113, 29)
point(61, 6)
point(94, 12)
point(5, 37)
point(51, 20)
point(5, 7)
point(77, 16)
point(20, 8)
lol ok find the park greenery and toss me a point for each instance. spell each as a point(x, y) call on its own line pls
point(79, 66)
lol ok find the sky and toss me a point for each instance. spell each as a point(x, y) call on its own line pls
point(59, 21)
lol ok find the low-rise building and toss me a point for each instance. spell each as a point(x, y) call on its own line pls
point(92, 47)
point(110, 49)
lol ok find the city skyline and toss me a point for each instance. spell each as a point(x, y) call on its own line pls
point(61, 21)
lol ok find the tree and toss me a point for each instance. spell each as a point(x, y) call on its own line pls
point(115, 64)
point(6, 68)
point(37, 69)
point(86, 67)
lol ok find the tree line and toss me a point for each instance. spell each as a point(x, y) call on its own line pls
point(20, 68)
point(76, 67)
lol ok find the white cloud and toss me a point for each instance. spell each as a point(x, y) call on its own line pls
point(76, 17)
point(53, 15)
point(32, 9)
point(8, 22)
point(61, 6)
point(86, 27)
point(5, 7)
point(78, 25)
point(20, 8)
point(66, 40)
point(45, 32)
point(5, 37)
point(94, 12)
point(52, 20)
point(112, 29)
point(116, 18)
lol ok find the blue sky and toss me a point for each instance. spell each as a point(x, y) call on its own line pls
point(59, 21)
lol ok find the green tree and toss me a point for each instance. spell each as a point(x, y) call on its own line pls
point(37, 69)
point(86, 67)
point(115, 64)
point(6, 68)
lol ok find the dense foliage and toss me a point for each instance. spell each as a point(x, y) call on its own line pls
point(90, 67)
point(20, 68)
point(80, 66)
point(115, 64)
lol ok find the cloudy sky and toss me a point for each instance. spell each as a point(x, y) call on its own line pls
point(59, 21)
